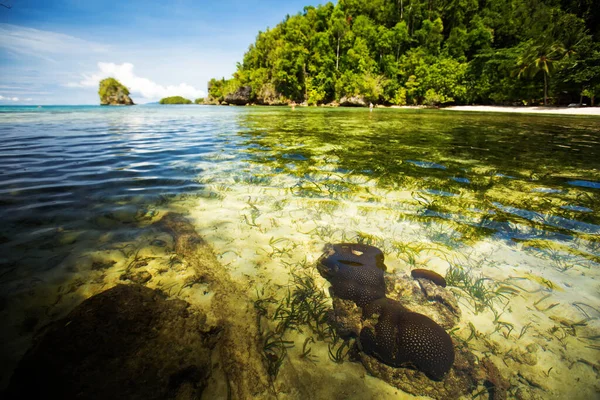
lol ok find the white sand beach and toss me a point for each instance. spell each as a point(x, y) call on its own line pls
point(530, 110)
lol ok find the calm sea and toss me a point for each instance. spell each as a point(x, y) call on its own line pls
point(513, 200)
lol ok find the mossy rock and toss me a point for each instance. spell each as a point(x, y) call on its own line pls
point(113, 93)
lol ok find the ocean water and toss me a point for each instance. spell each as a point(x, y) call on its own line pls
point(507, 207)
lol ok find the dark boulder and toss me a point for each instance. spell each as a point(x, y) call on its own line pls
point(128, 342)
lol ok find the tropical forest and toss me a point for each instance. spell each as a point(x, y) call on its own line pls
point(175, 100)
point(425, 52)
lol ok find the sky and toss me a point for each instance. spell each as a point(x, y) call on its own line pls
point(57, 51)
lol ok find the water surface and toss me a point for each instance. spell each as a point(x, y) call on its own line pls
point(510, 199)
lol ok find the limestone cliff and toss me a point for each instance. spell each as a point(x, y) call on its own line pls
point(113, 93)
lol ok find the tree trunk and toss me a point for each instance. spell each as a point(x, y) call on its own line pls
point(592, 99)
point(305, 86)
point(581, 99)
point(545, 89)
point(337, 60)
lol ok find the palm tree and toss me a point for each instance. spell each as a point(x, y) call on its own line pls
point(540, 57)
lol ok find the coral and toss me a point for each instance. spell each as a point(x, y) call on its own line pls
point(355, 272)
point(401, 334)
point(402, 338)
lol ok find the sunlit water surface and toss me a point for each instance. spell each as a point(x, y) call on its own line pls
point(509, 201)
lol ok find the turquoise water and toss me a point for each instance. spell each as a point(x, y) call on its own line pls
point(514, 199)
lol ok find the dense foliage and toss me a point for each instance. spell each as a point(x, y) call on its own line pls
point(110, 87)
point(426, 52)
point(175, 100)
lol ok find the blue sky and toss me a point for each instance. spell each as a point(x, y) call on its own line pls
point(56, 51)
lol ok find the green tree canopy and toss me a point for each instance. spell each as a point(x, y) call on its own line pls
point(425, 52)
point(175, 100)
point(112, 92)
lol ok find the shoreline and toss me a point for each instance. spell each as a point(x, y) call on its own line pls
point(584, 111)
point(588, 111)
point(581, 111)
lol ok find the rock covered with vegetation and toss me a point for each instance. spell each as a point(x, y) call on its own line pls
point(425, 52)
point(113, 93)
point(175, 100)
point(129, 342)
point(240, 97)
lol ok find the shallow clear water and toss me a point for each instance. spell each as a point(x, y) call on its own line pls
point(512, 199)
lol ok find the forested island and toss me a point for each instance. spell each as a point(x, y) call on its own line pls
point(175, 100)
point(423, 52)
point(113, 93)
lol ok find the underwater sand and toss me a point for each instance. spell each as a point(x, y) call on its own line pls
point(542, 325)
point(526, 277)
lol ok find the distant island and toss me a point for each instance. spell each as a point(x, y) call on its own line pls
point(175, 100)
point(113, 93)
point(422, 52)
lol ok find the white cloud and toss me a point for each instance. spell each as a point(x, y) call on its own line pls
point(2, 98)
point(148, 89)
point(44, 44)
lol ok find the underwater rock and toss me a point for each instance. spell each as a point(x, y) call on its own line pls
point(425, 297)
point(346, 317)
point(127, 342)
point(355, 272)
point(430, 275)
point(495, 383)
point(462, 379)
point(407, 299)
point(402, 338)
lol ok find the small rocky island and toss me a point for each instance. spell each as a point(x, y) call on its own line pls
point(175, 100)
point(113, 93)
